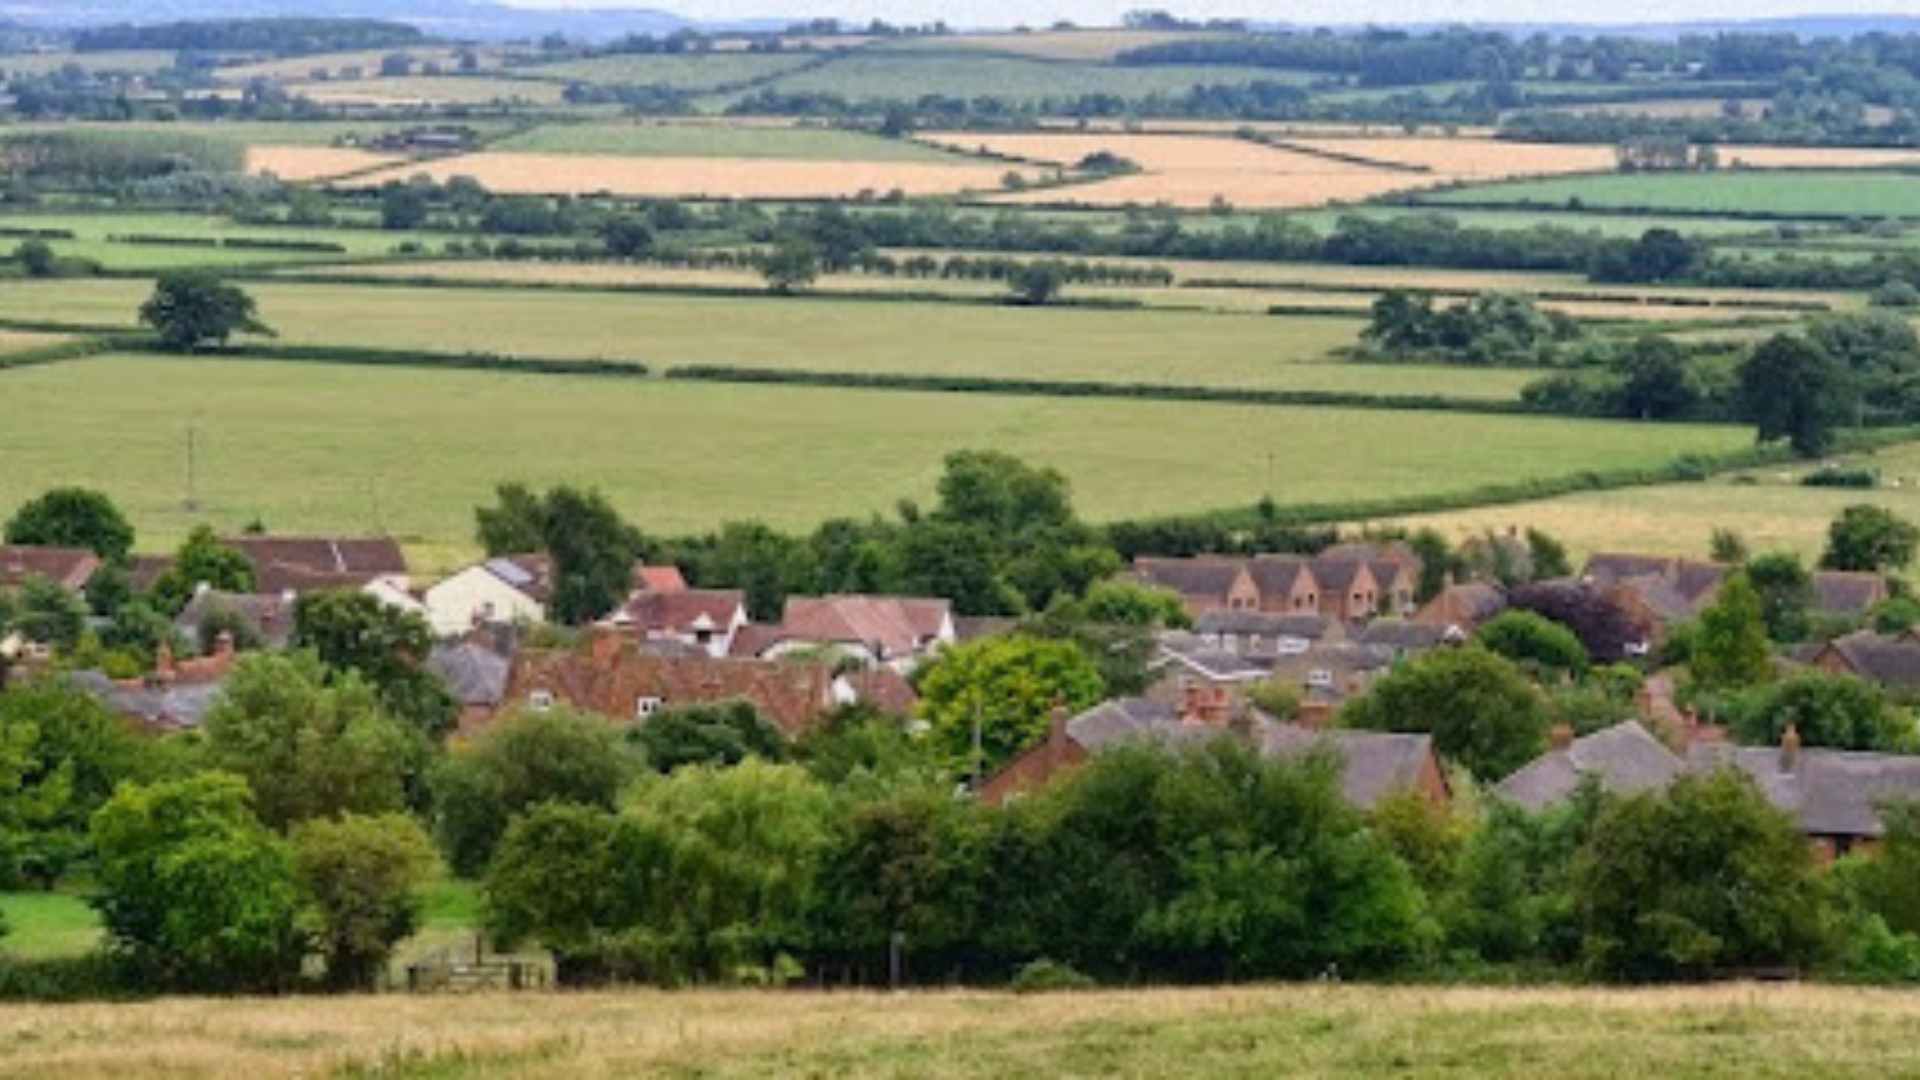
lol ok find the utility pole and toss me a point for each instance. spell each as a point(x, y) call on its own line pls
point(193, 501)
point(979, 755)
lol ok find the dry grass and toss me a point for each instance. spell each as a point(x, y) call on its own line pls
point(19, 341)
point(301, 163)
point(1473, 159)
point(1815, 157)
point(1303, 1030)
point(713, 177)
point(1774, 514)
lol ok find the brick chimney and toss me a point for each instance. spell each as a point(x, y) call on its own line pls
point(1561, 736)
point(605, 648)
point(1790, 749)
point(1057, 726)
point(223, 645)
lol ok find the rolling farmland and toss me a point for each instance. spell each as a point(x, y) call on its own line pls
point(297, 164)
point(687, 72)
point(1867, 194)
point(721, 140)
point(696, 177)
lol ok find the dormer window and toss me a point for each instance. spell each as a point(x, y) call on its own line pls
point(541, 700)
point(646, 707)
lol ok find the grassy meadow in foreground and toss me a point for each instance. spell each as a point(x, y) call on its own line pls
point(1307, 1030)
point(1774, 513)
point(410, 452)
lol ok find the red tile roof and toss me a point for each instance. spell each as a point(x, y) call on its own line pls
point(679, 612)
point(67, 567)
point(660, 579)
point(900, 624)
point(305, 564)
point(611, 676)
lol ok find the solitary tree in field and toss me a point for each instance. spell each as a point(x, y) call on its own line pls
point(792, 265)
point(1795, 390)
point(1037, 282)
point(1867, 537)
point(191, 308)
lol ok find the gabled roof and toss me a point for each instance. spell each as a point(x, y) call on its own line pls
point(1403, 635)
point(1466, 605)
point(474, 674)
point(658, 578)
point(1337, 575)
point(1625, 757)
point(1612, 567)
point(161, 705)
point(531, 574)
point(899, 625)
point(1264, 624)
point(882, 688)
point(684, 612)
point(1697, 580)
point(1374, 764)
point(1659, 594)
point(144, 570)
point(1842, 592)
point(312, 563)
point(269, 615)
point(612, 678)
point(1891, 661)
point(69, 568)
point(1190, 577)
point(1279, 575)
point(1830, 792)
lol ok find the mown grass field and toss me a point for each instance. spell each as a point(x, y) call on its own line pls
point(686, 71)
point(431, 89)
point(1316, 1030)
point(127, 60)
point(870, 75)
point(1774, 512)
point(92, 233)
point(44, 925)
point(337, 64)
point(1864, 193)
point(410, 452)
point(1093, 45)
point(720, 140)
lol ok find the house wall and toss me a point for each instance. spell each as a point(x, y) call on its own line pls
point(1302, 599)
point(1359, 600)
point(452, 604)
point(1032, 769)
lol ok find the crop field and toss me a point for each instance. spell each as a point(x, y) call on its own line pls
point(1732, 1029)
point(431, 90)
point(297, 164)
point(1773, 511)
point(698, 177)
point(19, 341)
point(721, 140)
point(877, 75)
point(340, 65)
point(1087, 45)
point(1630, 226)
point(92, 233)
point(410, 452)
point(127, 60)
point(1466, 159)
point(1865, 194)
point(685, 71)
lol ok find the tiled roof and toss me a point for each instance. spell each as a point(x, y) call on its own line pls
point(531, 574)
point(658, 578)
point(899, 624)
point(310, 564)
point(270, 615)
point(755, 638)
point(1277, 575)
point(1337, 575)
point(1403, 635)
point(973, 627)
point(884, 689)
point(1264, 624)
point(1190, 577)
point(474, 674)
point(1625, 757)
point(1698, 581)
point(1374, 764)
point(1830, 792)
point(67, 567)
point(147, 569)
point(1659, 594)
point(682, 612)
point(1839, 592)
point(1607, 569)
point(612, 677)
point(160, 705)
point(1887, 660)
point(1467, 605)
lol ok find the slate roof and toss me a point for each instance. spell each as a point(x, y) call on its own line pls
point(1402, 635)
point(177, 705)
point(1840, 592)
point(530, 573)
point(1611, 568)
point(1889, 661)
point(1625, 757)
point(1190, 577)
point(1375, 764)
point(1829, 792)
point(69, 568)
point(1336, 575)
point(474, 674)
point(270, 615)
point(1263, 624)
point(1697, 580)
point(1660, 594)
point(1276, 575)
point(1467, 604)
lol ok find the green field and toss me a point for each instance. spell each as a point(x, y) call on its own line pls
point(720, 140)
point(245, 133)
point(140, 61)
point(812, 333)
point(1863, 193)
point(686, 71)
point(897, 76)
point(92, 232)
point(42, 925)
point(1762, 1031)
point(1626, 225)
point(410, 452)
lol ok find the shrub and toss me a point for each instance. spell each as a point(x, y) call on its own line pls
point(1045, 976)
point(1842, 477)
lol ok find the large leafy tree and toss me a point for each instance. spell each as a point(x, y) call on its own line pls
point(1838, 711)
point(201, 560)
point(1786, 592)
point(1704, 876)
point(524, 759)
point(1656, 382)
point(593, 549)
point(723, 733)
point(1480, 709)
point(62, 753)
point(194, 893)
point(1867, 537)
point(72, 517)
point(1007, 686)
point(309, 746)
point(191, 308)
point(361, 877)
point(1795, 390)
point(1528, 638)
point(1730, 648)
point(355, 631)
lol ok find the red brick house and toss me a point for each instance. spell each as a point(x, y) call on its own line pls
point(1203, 584)
point(69, 568)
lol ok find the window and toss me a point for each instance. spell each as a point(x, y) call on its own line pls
point(1320, 677)
point(703, 637)
point(541, 700)
point(646, 707)
point(1291, 646)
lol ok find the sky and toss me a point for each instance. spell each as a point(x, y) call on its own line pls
point(1002, 13)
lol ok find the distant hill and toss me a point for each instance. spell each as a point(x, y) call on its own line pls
point(1805, 26)
point(475, 19)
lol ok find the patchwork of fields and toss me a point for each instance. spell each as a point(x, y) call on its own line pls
point(410, 452)
point(698, 177)
point(1866, 194)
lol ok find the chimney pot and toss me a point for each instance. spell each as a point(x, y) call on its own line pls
point(1561, 736)
point(1057, 725)
point(1790, 749)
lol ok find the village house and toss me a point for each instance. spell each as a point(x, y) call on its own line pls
point(1374, 765)
point(1325, 674)
point(268, 617)
point(617, 677)
point(1286, 584)
point(476, 674)
point(1351, 582)
point(1460, 608)
point(1892, 662)
point(69, 568)
point(283, 564)
point(176, 695)
point(1203, 584)
point(1259, 632)
point(517, 588)
point(879, 631)
point(706, 619)
point(1625, 758)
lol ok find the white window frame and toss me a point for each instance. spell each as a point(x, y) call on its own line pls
point(540, 700)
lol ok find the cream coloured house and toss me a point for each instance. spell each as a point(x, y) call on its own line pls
point(506, 589)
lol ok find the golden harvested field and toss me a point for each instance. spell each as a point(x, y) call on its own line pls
point(1670, 109)
point(714, 177)
point(302, 163)
point(19, 341)
point(1472, 159)
point(1815, 157)
point(430, 90)
point(1775, 513)
point(1762, 1031)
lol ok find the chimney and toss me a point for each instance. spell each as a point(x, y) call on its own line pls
point(223, 645)
point(1193, 704)
point(1790, 749)
point(1561, 736)
point(1057, 726)
point(605, 646)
